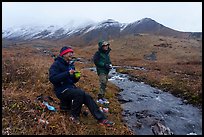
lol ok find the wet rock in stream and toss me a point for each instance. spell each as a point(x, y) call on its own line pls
point(148, 119)
point(123, 100)
point(159, 129)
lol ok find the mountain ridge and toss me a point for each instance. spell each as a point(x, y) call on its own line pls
point(106, 29)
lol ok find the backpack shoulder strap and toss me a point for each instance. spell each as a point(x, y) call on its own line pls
point(96, 56)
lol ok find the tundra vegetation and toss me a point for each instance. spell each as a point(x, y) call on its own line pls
point(171, 64)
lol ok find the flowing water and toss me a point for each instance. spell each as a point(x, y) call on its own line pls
point(144, 106)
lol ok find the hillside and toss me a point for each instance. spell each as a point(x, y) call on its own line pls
point(91, 33)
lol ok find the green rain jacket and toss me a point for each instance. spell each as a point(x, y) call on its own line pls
point(101, 58)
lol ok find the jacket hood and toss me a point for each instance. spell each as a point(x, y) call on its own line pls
point(100, 45)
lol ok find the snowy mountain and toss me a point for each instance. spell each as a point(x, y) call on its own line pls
point(102, 30)
point(43, 32)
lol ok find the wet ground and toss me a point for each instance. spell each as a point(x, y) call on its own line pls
point(145, 106)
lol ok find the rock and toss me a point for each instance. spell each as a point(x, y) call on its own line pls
point(192, 134)
point(159, 129)
point(138, 124)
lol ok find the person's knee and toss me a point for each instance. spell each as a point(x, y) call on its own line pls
point(103, 86)
point(103, 82)
point(80, 92)
point(88, 96)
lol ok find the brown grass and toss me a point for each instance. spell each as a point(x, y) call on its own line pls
point(25, 76)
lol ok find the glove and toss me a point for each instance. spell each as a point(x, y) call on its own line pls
point(111, 66)
point(77, 74)
point(107, 66)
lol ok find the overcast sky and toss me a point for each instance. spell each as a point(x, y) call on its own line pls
point(182, 16)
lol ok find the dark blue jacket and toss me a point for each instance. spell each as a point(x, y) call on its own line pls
point(59, 75)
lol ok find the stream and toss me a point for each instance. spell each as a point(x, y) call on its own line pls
point(145, 106)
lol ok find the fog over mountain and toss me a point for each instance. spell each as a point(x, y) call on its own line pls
point(89, 31)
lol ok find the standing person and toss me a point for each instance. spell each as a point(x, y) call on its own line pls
point(103, 65)
point(63, 76)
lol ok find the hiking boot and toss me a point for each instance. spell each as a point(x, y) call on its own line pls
point(104, 110)
point(102, 101)
point(74, 120)
point(106, 122)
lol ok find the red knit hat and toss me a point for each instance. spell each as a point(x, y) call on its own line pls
point(65, 50)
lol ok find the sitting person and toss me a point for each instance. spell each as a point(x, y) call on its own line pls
point(62, 76)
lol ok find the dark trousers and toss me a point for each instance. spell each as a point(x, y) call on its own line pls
point(80, 97)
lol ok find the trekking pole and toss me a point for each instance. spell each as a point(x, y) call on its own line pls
point(74, 59)
point(52, 55)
